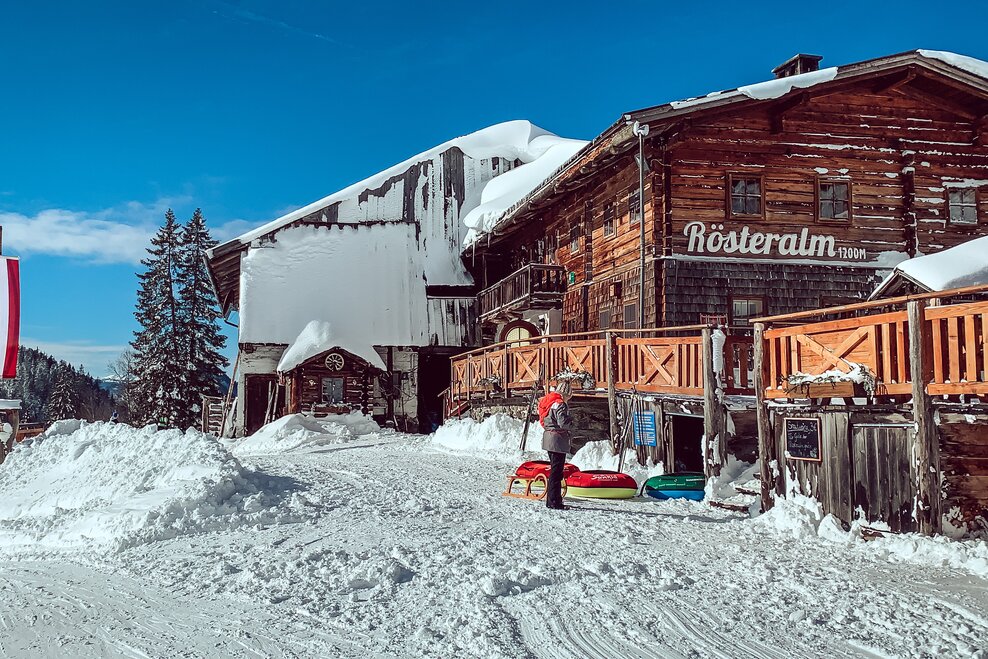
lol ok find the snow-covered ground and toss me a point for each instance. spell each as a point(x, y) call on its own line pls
point(341, 539)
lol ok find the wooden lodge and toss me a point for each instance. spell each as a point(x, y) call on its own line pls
point(789, 196)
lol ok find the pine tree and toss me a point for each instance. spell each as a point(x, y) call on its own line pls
point(159, 363)
point(198, 313)
point(64, 401)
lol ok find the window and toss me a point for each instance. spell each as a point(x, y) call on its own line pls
point(834, 200)
point(604, 321)
point(609, 214)
point(634, 206)
point(631, 316)
point(746, 195)
point(332, 390)
point(963, 205)
point(743, 309)
point(574, 239)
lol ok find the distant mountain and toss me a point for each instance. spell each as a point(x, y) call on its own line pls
point(82, 395)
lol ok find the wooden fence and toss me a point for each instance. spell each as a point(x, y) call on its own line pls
point(956, 350)
point(648, 364)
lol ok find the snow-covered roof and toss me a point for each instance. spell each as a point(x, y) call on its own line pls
point(619, 136)
point(318, 337)
point(511, 140)
point(956, 267)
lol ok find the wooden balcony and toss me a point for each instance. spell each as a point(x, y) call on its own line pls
point(953, 348)
point(667, 361)
point(535, 286)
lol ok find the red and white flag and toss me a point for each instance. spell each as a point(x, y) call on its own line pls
point(10, 314)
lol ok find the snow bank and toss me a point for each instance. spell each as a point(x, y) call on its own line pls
point(782, 86)
point(497, 436)
point(109, 486)
point(317, 337)
point(598, 455)
point(296, 431)
point(802, 518)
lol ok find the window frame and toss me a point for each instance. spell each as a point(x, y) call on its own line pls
point(822, 180)
point(610, 208)
point(624, 315)
point(574, 239)
point(607, 313)
point(976, 205)
point(634, 216)
point(322, 389)
point(733, 320)
point(731, 176)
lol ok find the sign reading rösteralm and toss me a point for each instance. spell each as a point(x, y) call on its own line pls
point(802, 244)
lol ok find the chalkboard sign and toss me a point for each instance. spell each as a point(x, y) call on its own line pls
point(803, 439)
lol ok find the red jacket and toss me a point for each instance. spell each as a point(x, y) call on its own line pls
point(545, 403)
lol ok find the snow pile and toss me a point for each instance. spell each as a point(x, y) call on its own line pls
point(506, 190)
point(735, 472)
point(802, 518)
point(857, 373)
point(598, 455)
point(297, 431)
point(317, 337)
point(110, 486)
point(497, 436)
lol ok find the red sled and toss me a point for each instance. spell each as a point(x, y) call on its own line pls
point(533, 468)
point(531, 479)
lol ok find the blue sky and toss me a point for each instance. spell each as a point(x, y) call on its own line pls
point(114, 111)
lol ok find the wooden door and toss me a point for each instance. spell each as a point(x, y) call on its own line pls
point(883, 478)
point(257, 400)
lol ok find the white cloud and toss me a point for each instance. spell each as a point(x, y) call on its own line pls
point(93, 357)
point(120, 234)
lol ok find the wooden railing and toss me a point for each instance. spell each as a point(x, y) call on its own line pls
point(535, 286)
point(661, 363)
point(955, 348)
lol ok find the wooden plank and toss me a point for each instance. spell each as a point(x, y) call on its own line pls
point(953, 349)
point(936, 349)
point(902, 363)
point(886, 351)
point(925, 447)
point(767, 442)
point(714, 423)
point(970, 350)
point(611, 350)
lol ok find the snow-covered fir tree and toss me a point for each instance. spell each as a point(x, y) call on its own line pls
point(64, 401)
point(159, 378)
point(198, 313)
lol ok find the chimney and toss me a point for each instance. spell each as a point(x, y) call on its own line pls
point(797, 64)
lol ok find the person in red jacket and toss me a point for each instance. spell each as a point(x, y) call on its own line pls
point(555, 419)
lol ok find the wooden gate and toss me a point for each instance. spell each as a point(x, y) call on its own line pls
point(883, 478)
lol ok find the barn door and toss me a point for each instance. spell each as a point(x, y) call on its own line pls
point(883, 478)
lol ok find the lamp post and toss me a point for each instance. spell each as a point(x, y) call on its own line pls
point(641, 130)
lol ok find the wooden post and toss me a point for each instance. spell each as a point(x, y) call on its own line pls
point(926, 446)
point(766, 438)
point(713, 409)
point(611, 357)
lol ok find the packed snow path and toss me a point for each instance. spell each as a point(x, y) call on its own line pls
point(401, 550)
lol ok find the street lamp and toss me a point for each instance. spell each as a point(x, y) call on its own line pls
point(641, 130)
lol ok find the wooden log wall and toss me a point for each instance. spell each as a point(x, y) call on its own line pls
point(357, 385)
point(964, 464)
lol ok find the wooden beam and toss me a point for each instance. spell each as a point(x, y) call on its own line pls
point(610, 354)
point(713, 410)
point(778, 111)
point(926, 446)
point(766, 438)
point(894, 81)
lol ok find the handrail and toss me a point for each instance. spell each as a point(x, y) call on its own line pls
point(575, 336)
point(874, 304)
point(546, 266)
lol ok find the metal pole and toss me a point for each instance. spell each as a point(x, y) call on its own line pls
point(641, 131)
